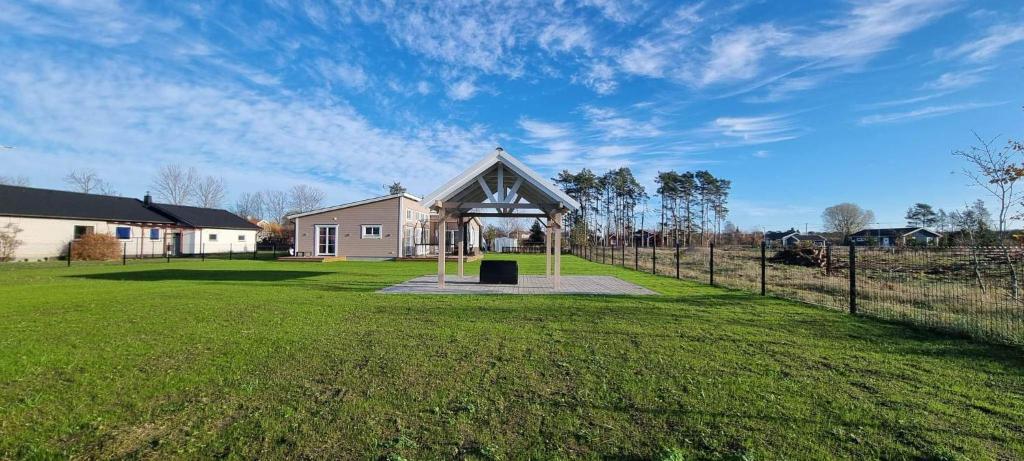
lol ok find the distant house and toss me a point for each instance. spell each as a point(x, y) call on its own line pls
point(520, 235)
point(50, 219)
point(895, 237)
point(386, 227)
point(793, 238)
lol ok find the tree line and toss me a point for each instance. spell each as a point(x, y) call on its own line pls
point(692, 209)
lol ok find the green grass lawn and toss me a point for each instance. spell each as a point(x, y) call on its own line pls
point(288, 360)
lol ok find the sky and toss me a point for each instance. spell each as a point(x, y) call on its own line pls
point(801, 104)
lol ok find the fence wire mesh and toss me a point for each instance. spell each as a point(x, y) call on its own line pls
point(976, 291)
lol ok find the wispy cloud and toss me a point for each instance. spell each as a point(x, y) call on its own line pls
point(996, 38)
point(536, 129)
point(870, 28)
point(737, 55)
point(463, 89)
point(924, 112)
point(755, 130)
point(957, 80)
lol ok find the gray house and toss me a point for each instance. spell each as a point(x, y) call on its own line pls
point(793, 238)
point(897, 236)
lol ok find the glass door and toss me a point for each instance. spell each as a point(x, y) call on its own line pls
point(327, 240)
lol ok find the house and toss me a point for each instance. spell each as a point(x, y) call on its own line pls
point(519, 235)
point(793, 238)
point(50, 219)
point(898, 236)
point(386, 227)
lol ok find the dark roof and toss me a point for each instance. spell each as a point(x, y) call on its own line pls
point(892, 232)
point(811, 237)
point(779, 235)
point(205, 217)
point(46, 203)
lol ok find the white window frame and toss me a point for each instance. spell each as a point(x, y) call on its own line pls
point(316, 239)
point(363, 235)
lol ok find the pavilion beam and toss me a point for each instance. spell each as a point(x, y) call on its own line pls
point(440, 247)
point(486, 189)
point(462, 244)
point(558, 250)
point(547, 248)
point(501, 182)
point(472, 205)
point(505, 215)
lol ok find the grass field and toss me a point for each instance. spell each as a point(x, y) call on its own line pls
point(288, 360)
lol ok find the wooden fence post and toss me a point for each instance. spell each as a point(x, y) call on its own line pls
point(711, 264)
point(69, 252)
point(764, 264)
point(124, 254)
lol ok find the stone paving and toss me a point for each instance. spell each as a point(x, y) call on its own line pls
point(528, 285)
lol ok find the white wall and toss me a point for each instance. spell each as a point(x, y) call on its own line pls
point(227, 240)
point(44, 238)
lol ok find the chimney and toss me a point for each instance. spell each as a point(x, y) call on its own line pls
point(147, 200)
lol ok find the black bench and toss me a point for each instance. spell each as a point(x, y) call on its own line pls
point(499, 272)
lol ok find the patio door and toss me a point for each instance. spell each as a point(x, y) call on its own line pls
point(326, 240)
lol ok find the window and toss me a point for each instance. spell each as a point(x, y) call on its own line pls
point(124, 233)
point(81, 231)
point(371, 231)
point(241, 238)
point(213, 237)
point(408, 214)
point(154, 234)
point(326, 240)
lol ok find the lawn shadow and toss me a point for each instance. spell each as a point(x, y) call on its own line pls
point(202, 275)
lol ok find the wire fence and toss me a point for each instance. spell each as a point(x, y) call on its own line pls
point(975, 291)
point(129, 255)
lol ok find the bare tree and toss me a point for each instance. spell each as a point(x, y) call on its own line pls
point(14, 181)
point(510, 225)
point(275, 206)
point(210, 192)
point(89, 182)
point(302, 198)
point(175, 184)
point(996, 171)
point(846, 218)
point(250, 205)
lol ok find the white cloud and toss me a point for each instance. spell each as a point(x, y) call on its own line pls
point(761, 154)
point(646, 58)
point(617, 10)
point(922, 113)
point(111, 112)
point(610, 125)
point(871, 27)
point(737, 55)
point(755, 130)
point(957, 80)
point(348, 74)
point(598, 76)
point(996, 38)
point(542, 130)
point(423, 87)
point(463, 90)
point(566, 38)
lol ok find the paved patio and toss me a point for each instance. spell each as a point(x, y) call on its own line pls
point(528, 285)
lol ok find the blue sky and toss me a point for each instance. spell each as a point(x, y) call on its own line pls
point(802, 104)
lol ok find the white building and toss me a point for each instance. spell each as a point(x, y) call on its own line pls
point(46, 221)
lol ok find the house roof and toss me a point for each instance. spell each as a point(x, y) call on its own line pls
point(893, 232)
point(205, 217)
point(811, 237)
point(779, 235)
point(47, 203)
point(59, 204)
point(353, 204)
point(501, 178)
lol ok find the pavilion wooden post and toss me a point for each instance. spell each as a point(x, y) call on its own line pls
point(461, 242)
point(440, 247)
point(558, 250)
point(547, 249)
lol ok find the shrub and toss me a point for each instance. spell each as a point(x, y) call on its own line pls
point(9, 242)
point(96, 247)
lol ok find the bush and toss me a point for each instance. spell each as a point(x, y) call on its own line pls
point(96, 247)
point(9, 242)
